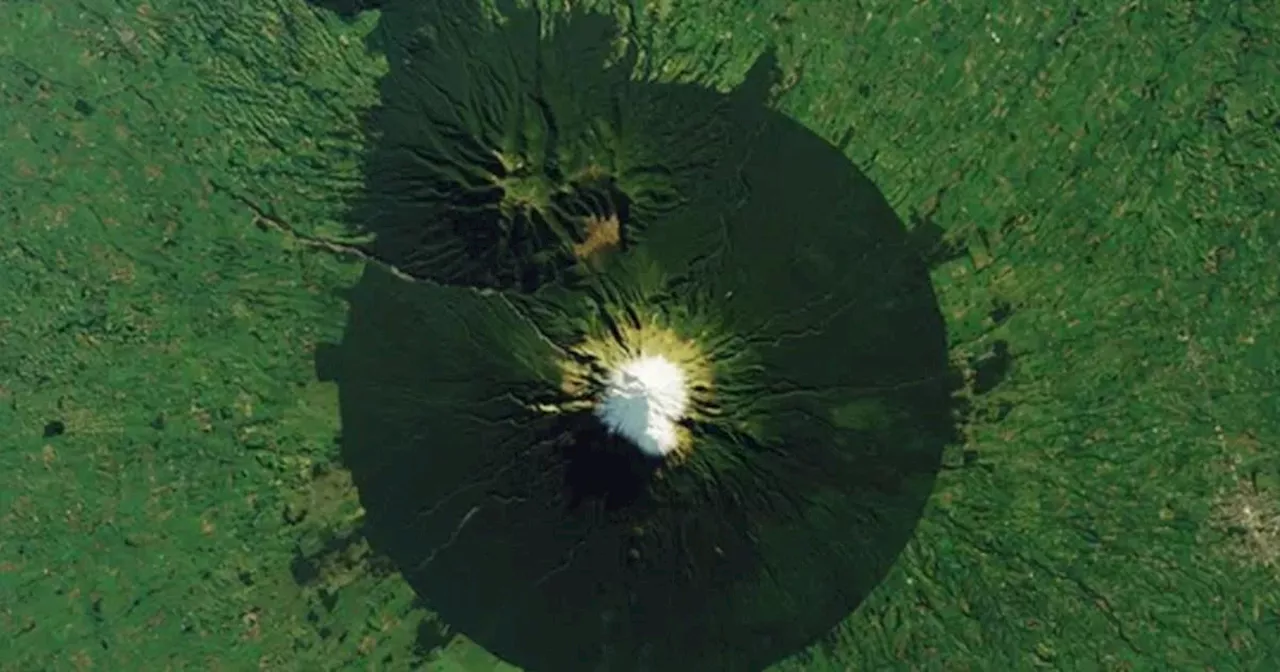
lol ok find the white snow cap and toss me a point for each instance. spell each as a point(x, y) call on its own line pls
point(644, 399)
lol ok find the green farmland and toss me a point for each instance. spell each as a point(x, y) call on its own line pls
point(1077, 203)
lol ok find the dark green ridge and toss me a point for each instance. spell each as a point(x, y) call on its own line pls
point(489, 146)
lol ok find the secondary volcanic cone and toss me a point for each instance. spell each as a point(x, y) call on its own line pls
point(516, 157)
point(700, 455)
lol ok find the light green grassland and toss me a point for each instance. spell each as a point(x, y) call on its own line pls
point(1110, 171)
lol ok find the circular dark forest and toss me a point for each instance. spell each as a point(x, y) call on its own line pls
point(542, 192)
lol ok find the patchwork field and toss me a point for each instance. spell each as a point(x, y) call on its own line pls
point(1094, 185)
